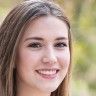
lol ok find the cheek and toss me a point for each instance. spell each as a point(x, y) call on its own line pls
point(27, 63)
point(28, 59)
point(64, 59)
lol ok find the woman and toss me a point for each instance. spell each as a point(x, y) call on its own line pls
point(35, 51)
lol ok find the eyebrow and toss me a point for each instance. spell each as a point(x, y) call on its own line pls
point(62, 38)
point(34, 38)
point(41, 39)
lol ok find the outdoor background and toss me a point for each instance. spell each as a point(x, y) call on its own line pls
point(82, 15)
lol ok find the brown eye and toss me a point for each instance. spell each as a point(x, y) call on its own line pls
point(61, 45)
point(35, 45)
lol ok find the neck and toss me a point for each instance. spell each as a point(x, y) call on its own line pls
point(30, 93)
point(25, 90)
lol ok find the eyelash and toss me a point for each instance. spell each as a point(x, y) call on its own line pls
point(61, 45)
point(35, 45)
point(39, 45)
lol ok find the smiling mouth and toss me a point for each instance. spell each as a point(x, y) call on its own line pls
point(48, 73)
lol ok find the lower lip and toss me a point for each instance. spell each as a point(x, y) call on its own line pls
point(53, 76)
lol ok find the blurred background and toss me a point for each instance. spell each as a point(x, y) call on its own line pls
point(82, 15)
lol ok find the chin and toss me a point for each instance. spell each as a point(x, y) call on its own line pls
point(49, 89)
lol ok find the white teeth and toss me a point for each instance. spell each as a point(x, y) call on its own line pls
point(47, 72)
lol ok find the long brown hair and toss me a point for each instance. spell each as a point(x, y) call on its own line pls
point(10, 34)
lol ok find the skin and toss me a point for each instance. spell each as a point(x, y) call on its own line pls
point(44, 46)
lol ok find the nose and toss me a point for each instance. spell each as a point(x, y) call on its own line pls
point(49, 56)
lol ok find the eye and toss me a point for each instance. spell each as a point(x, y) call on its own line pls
point(35, 45)
point(61, 45)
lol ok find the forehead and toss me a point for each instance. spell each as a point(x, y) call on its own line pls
point(46, 26)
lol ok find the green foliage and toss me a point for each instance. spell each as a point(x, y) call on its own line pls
point(83, 21)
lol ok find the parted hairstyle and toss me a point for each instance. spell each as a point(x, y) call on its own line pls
point(10, 34)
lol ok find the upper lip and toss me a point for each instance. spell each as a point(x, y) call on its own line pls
point(48, 69)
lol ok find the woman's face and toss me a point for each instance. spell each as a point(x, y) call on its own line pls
point(43, 55)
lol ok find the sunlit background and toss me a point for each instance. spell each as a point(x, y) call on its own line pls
point(82, 15)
